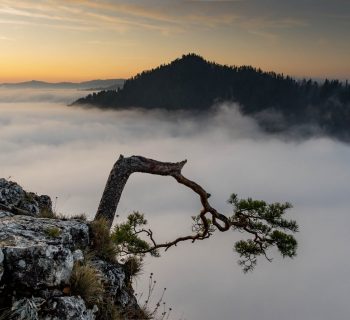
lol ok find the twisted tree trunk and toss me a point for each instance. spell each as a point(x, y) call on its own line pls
point(119, 175)
point(257, 218)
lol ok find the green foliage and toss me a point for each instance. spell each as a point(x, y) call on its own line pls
point(198, 226)
point(102, 244)
point(267, 226)
point(86, 282)
point(127, 236)
point(53, 232)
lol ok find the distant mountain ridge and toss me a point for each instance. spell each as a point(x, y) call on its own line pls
point(278, 102)
point(85, 85)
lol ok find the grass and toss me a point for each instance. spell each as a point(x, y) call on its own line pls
point(133, 266)
point(86, 282)
point(101, 243)
point(47, 213)
point(50, 214)
point(53, 232)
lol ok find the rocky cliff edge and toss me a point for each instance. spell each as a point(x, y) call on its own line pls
point(38, 258)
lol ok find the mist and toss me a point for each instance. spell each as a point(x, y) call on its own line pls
point(67, 153)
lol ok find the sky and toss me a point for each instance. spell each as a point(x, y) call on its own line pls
point(67, 153)
point(80, 40)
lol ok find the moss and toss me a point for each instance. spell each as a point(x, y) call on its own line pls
point(53, 232)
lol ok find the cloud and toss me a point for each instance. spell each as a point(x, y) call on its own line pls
point(33, 95)
point(165, 17)
point(68, 152)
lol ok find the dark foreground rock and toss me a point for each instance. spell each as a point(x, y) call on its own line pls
point(37, 257)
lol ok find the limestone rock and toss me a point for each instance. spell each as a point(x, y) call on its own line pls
point(68, 308)
point(25, 231)
point(115, 278)
point(39, 266)
point(13, 195)
point(1, 264)
point(36, 261)
point(38, 252)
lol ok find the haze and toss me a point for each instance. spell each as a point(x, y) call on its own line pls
point(84, 39)
point(68, 152)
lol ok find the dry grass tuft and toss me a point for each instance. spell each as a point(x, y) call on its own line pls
point(86, 282)
point(53, 232)
point(101, 243)
point(133, 266)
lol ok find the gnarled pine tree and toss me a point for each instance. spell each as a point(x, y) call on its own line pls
point(262, 221)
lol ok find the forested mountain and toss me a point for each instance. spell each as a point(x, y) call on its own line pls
point(194, 84)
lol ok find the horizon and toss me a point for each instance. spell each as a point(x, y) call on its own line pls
point(67, 80)
point(79, 40)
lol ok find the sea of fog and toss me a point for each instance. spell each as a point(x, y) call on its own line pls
point(68, 152)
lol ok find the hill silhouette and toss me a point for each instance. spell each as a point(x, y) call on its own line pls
point(278, 102)
point(85, 85)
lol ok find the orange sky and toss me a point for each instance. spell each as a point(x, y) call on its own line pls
point(81, 39)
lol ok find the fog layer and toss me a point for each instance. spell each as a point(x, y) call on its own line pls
point(68, 153)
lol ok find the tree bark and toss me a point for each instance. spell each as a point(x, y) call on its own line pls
point(119, 175)
point(248, 220)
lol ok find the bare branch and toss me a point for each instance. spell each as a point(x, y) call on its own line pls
point(119, 175)
point(246, 217)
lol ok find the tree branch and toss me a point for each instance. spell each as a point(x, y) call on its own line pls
point(119, 175)
point(247, 213)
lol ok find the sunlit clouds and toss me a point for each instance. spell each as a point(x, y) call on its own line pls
point(84, 39)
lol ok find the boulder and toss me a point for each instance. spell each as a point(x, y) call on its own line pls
point(13, 197)
point(68, 308)
point(1, 264)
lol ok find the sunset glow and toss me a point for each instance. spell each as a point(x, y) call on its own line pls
point(82, 39)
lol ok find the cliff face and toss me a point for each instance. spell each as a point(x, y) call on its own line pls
point(38, 257)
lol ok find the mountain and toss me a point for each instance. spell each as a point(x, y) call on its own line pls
point(278, 102)
point(86, 85)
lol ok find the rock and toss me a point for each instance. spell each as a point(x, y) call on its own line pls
point(25, 231)
point(38, 252)
point(78, 255)
point(10, 193)
point(114, 277)
point(4, 214)
point(25, 308)
point(37, 267)
point(37, 256)
point(13, 195)
point(68, 308)
point(1, 264)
